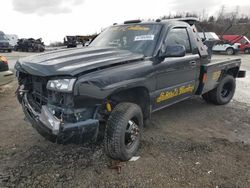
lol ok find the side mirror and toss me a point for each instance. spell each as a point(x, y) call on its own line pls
point(174, 51)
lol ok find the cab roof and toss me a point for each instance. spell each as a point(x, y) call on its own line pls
point(189, 20)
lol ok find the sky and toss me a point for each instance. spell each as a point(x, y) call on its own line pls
point(53, 19)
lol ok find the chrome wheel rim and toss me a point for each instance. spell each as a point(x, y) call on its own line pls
point(131, 133)
point(226, 90)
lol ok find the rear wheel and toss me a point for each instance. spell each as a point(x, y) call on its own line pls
point(223, 93)
point(230, 51)
point(122, 135)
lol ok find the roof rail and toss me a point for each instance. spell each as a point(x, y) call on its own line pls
point(189, 20)
point(132, 21)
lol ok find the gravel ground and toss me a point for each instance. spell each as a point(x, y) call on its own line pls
point(190, 144)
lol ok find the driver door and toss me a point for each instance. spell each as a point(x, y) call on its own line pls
point(176, 75)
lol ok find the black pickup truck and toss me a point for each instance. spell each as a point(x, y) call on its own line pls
point(111, 87)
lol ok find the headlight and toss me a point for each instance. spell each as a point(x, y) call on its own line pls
point(62, 85)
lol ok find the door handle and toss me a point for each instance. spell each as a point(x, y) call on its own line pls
point(192, 63)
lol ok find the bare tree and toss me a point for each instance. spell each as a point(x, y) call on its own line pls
point(204, 15)
point(237, 11)
point(221, 13)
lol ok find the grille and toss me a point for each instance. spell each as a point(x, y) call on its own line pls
point(39, 93)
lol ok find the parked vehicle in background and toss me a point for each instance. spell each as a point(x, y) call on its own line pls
point(13, 39)
point(6, 75)
point(4, 43)
point(243, 40)
point(70, 41)
point(230, 49)
point(30, 45)
point(73, 40)
point(221, 45)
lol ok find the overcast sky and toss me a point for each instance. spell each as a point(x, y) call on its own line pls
point(53, 19)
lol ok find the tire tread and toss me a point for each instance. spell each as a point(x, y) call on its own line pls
point(114, 127)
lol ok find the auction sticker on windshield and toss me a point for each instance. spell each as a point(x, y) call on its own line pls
point(138, 28)
point(144, 37)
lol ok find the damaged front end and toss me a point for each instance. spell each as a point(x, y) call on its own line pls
point(51, 108)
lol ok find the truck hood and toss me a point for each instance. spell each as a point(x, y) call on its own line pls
point(75, 61)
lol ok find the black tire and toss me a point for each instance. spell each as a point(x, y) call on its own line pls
point(9, 50)
point(120, 142)
point(230, 51)
point(223, 93)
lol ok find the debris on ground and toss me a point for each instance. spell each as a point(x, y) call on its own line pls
point(134, 158)
point(117, 165)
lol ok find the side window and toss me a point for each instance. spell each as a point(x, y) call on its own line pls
point(179, 36)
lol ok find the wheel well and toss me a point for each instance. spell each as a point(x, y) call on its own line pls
point(138, 95)
point(233, 71)
point(230, 48)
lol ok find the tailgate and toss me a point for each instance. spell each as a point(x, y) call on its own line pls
point(211, 73)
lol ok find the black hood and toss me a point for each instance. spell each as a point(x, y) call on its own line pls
point(74, 61)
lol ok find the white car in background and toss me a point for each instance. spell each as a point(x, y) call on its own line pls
point(220, 46)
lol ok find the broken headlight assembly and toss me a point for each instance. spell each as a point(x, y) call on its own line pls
point(61, 85)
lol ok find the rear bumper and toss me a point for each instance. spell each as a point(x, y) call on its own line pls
point(56, 131)
point(241, 74)
point(6, 77)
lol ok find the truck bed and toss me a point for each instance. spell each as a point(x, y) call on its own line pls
point(212, 72)
point(223, 60)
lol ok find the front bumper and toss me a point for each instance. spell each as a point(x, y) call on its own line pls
point(56, 131)
point(6, 48)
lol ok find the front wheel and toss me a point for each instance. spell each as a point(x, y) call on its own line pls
point(223, 93)
point(230, 51)
point(123, 131)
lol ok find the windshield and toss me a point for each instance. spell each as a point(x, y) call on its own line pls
point(140, 38)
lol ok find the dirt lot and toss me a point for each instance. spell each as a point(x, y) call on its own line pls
point(191, 144)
